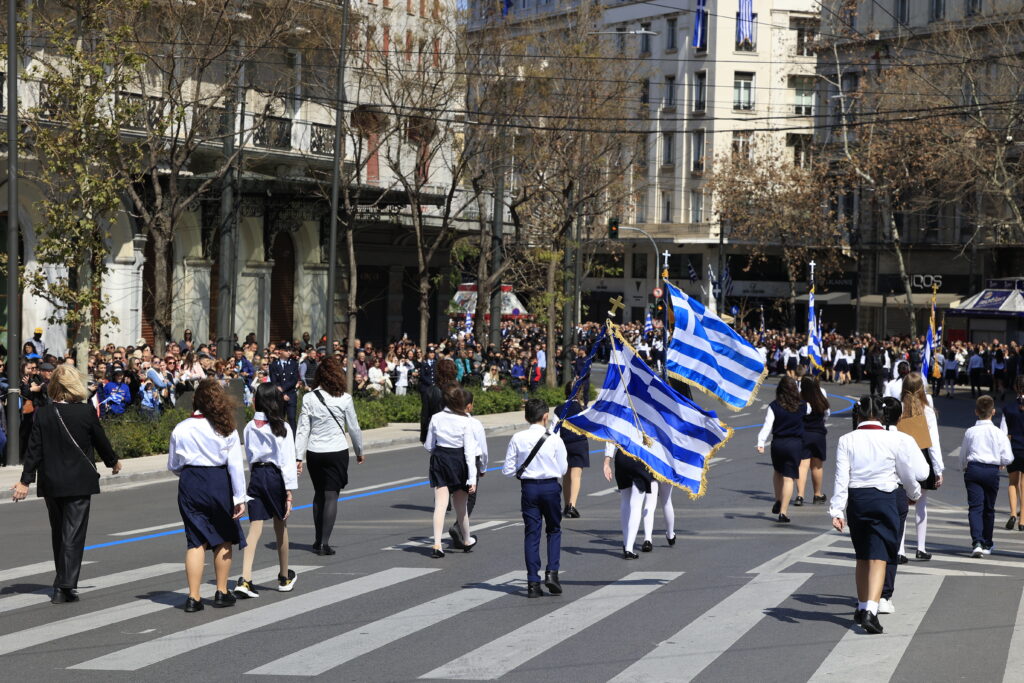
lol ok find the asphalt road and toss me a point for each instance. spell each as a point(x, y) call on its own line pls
point(738, 598)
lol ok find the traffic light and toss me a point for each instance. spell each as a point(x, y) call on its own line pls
point(613, 228)
point(659, 308)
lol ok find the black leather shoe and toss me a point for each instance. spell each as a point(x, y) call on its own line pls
point(1011, 522)
point(629, 555)
point(456, 535)
point(671, 541)
point(777, 507)
point(224, 599)
point(437, 553)
point(193, 605)
point(819, 499)
point(858, 616)
point(870, 623)
point(325, 550)
point(923, 556)
point(472, 546)
point(571, 512)
point(71, 594)
point(783, 519)
point(533, 590)
point(799, 502)
point(552, 583)
point(315, 547)
point(1020, 527)
point(59, 597)
point(647, 547)
point(903, 559)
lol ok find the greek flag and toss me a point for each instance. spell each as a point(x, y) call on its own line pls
point(813, 338)
point(468, 324)
point(745, 26)
point(648, 323)
point(708, 354)
point(727, 280)
point(638, 412)
point(929, 343)
point(700, 25)
point(694, 277)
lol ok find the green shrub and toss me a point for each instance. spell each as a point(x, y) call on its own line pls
point(132, 435)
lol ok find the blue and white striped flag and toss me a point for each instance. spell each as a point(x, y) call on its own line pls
point(694, 277)
point(929, 343)
point(727, 280)
point(648, 323)
point(708, 354)
point(637, 411)
point(813, 340)
point(745, 26)
point(700, 25)
point(468, 324)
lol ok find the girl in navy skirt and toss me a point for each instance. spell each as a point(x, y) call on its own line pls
point(784, 424)
point(578, 449)
point(273, 475)
point(815, 434)
point(206, 454)
point(633, 482)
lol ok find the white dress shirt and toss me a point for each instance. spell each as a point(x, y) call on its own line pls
point(318, 429)
point(481, 441)
point(984, 443)
point(194, 442)
point(262, 445)
point(935, 452)
point(550, 462)
point(450, 430)
point(873, 457)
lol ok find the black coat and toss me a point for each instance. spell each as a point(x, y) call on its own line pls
point(62, 468)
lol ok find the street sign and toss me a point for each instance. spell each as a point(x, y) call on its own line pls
point(735, 310)
point(657, 292)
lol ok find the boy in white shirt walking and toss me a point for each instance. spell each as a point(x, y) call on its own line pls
point(985, 450)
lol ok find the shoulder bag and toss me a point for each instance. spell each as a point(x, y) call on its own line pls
point(532, 455)
point(331, 412)
point(75, 443)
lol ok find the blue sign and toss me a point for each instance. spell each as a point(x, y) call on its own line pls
point(992, 299)
point(735, 310)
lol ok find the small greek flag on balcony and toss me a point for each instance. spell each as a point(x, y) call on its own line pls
point(745, 30)
point(700, 25)
point(693, 271)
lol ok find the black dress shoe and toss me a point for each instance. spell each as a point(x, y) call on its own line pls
point(437, 553)
point(819, 499)
point(629, 555)
point(325, 550)
point(671, 541)
point(902, 559)
point(315, 547)
point(647, 547)
point(551, 581)
point(923, 556)
point(59, 597)
point(571, 512)
point(456, 535)
point(870, 623)
point(70, 594)
point(193, 605)
point(783, 519)
point(1011, 522)
point(777, 507)
point(224, 599)
point(472, 546)
point(1020, 527)
point(799, 501)
point(533, 590)
point(858, 616)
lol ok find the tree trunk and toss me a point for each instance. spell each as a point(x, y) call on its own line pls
point(890, 218)
point(351, 303)
point(160, 234)
point(791, 302)
point(481, 326)
point(552, 379)
point(424, 308)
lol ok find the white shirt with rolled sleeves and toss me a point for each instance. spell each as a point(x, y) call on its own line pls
point(262, 445)
point(194, 442)
point(984, 443)
point(935, 452)
point(481, 441)
point(873, 457)
point(551, 461)
point(451, 430)
point(318, 427)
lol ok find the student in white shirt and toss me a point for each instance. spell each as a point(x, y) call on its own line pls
point(984, 451)
point(541, 494)
point(481, 466)
point(894, 387)
point(273, 475)
point(871, 464)
point(452, 442)
point(917, 403)
point(206, 454)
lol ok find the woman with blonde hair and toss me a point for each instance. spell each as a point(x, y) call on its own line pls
point(919, 420)
point(60, 451)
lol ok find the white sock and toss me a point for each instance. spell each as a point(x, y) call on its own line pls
point(871, 606)
point(861, 604)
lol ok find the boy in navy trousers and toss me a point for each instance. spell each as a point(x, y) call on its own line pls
point(985, 450)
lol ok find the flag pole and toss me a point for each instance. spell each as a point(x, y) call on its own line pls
point(664, 323)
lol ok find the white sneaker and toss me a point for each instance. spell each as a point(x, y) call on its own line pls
point(978, 551)
point(885, 606)
point(987, 551)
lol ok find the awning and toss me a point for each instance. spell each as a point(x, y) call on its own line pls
point(830, 298)
point(1000, 303)
point(920, 300)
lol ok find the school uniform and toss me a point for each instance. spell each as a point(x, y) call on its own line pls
point(789, 359)
point(453, 447)
point(541, 495)
point(1013, 426)
point(272, 470)
point(984, 450)
point(786, 431)
point(815, 434)
point(576, 445)
point(482, 458)
point(211, 481)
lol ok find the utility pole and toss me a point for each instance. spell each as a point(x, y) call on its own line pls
point(339, 132)
point(721, 268)
point(497, 228)
point(228, 231)
point(572, 254)
point(13, 292)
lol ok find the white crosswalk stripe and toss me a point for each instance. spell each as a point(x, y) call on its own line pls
point(176, 644)
point(1015, 658)
point(331, 653)
point(84, 623)
point(30, 570)
point(497, 658)
point(423, 541)
point(89, 585)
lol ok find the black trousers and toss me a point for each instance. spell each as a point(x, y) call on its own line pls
point(878, 383)
point(289, 409)
point(903, 506)
point(69, 520)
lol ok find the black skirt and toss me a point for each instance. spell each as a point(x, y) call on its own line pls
point(578, 453)
point(328, 471)
point(874, 523)
point(267, 491)
point(448, 467)
point(205, 504)
point(786, 454)
point(629, 472)
point(814, 446)
point(1018, 461)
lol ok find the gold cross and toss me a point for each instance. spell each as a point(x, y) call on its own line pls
point(616, 304)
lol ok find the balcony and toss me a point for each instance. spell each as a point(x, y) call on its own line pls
point(273, 132)
point(321, 139)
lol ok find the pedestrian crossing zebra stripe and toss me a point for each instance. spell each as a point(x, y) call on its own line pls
point(915, 568)
point(31, 570)
point(332, 653)
point(423, 541)
point(85, 623)
point(89, 585)
point(1015, 658)
point(684, 655)
point(497, 658)
point(175, 644)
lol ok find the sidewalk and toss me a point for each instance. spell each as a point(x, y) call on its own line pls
point(153, 468)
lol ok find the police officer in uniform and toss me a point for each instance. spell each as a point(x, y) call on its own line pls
point(284, 372)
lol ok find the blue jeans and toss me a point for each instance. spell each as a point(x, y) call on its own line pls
point(982, 482)
point(542, 498)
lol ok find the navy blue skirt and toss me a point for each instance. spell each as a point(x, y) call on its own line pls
point(578, 453)
point(786, 454)
point(1018, 461)
point(629, 472)
point(204, 500)
point(842, 365)
point(874, 521)
point(269, 496)
point(448, 468)
point(814, 445)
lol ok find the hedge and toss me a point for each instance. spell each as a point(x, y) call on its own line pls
point(133, 435)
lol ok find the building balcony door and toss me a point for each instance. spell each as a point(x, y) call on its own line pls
point(282, 288)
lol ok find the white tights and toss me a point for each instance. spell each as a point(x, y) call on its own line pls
point(921, 512)
point(662, 495)
point(630, 511)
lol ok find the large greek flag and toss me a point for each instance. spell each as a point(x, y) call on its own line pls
point(813, 334)
point(745, 27)
point(637, 411)
point(708, 354)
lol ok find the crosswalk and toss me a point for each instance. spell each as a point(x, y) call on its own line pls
point(150, 633)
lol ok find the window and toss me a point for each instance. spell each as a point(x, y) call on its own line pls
point(700, 28)
point(670, 91)
point(801, 145)
point(670, 33)
point(902, 12)
point(803, 87)
point(620, 39)
point(645, 39)
point(936, 10)
point(746, 35)
point(386, 42)
point(641, 208)
point(668, 156)
point(696, 206)
point(408, 46)
point(848, 15)
point(409, 6)
point(972, 7)
point(741, 144)
point(666, 207)
point(700, 90)
point(806, 33)
point(437, 53)
point(850, 87)
point(697, 151)
point(639, 263)
point(641, 151)
point(645, 91)
point(743, 91)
